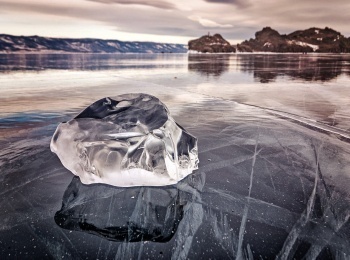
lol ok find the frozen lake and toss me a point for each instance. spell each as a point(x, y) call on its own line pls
point(274, 149)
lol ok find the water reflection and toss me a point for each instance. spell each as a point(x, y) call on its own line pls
point(209, 65)
point(267, 68)
point(37, 62)
point(125, 214)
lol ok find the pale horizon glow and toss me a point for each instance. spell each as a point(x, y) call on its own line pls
point(167, 21)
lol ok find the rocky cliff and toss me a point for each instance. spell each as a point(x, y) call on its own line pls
point(9, 43)
point(210, 44)
point(310, 40)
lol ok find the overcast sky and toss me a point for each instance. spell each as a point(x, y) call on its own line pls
point(168, 21)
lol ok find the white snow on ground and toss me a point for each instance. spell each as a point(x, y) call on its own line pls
point(268, 44)
point(78, 46)
point(319, 39)
point(314, 47)
point(19, 47)
point(218, 43)
point(112, 44)
point(5, 40)
point(41, 47)
point(317, 31)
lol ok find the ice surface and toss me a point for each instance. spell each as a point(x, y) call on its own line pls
point(128, 140)
point(273, 183)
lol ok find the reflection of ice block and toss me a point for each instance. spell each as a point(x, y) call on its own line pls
point(141, 214)
point(128, 140)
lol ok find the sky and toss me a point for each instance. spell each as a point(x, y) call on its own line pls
point(168, 21)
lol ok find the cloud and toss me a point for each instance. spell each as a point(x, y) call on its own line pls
point(224, 1)
point(35, 17)
point(239, 3)
point(234, 19)
point(208, 23)
point(151, 3)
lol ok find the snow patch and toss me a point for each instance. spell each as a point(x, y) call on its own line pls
point(20, 47)
point(218, 43)
point(6, 40)
point(314, 47)
point(112, 44)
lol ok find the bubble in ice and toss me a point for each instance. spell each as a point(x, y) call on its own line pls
point(127, 140)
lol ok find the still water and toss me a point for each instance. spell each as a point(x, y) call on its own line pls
point(274, 151)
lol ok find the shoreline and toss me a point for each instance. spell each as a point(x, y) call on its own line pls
point(172, 53)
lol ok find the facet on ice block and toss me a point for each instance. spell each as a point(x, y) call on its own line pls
point(127, 140)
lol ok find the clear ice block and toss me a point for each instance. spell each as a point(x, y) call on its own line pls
point(128, 140)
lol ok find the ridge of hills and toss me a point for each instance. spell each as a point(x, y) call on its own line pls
point(13, 44)
point(313, 39)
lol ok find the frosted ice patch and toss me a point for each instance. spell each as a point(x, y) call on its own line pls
point(128, 140)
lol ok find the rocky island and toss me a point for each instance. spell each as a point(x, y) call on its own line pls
point(313, 39)
point(210, 44)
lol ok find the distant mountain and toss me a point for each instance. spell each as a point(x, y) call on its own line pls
point(9, 43)
point(314, 39)
point(210, 44)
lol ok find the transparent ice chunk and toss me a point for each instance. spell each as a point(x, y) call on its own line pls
point(128, 140)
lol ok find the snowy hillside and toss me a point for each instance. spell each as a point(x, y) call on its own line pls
point(9, 43)
point(313, 39)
